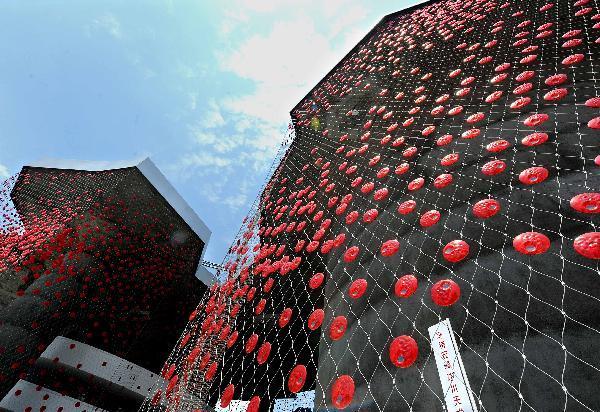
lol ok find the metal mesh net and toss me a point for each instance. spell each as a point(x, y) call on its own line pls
point(97, 257)
point(445, 169)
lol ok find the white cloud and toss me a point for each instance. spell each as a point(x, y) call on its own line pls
point(291, 56)
point(108, 23)
point(235, 201)
point(4, 172)
point(213, 117)
point(193, 101)
point(235, 139)
point(281, 65)
point(206, 160)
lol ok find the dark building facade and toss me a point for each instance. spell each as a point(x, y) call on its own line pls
point(432, 227)
point(107, 259)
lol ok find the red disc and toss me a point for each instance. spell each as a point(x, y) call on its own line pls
point(402, 168)
point(428, 130)
point(297, 378)
point(268, 285)
point(403, 351)
point(416, 184)
point(497, 146)
point(429, 218)
point(232, 339)
point(438, 110)
point(502, 67)
point(499, 78)
point(312, 246)
point(406, 286)
point(260, 306)
point(576, 32)
point(316, 280)
point(449, 159)
point(227, 395)
point(533, 175)
point(442, 180)
point(475, 117)
point(263, 353)
point(455, 251)
point(470, 134)
point(520, 103)
point(523, 88)
point(254, 404)
point(398, 141)
point(410, 152)
point(351, 217)
point(531, 243)
point(594, 123)
point(528, 59)
point(357, 288)
point(383, 172)
point(251, 343)
point(390, 247)
point(338, 327)
point(406, 207)
point(251, 294)
point(351, 254)
point(536, 119)
point(524, 76)
point(486, 208)
point(367, 187)
point(315, 319)
point(285, 317)
point(588, 245)
point(342, 392)
point(381, 194)
point(211, 371)
point(555, 94)
point(444, 140)
point(493, 167)
point(535, 139)
point(445, 292)
point(370, 215)
point(594, 102)
point(586, 203)
point(354, 183)
point(573, 59)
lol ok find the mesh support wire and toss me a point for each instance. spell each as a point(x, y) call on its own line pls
point(444, 105)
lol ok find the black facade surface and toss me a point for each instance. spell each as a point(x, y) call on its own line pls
point(522, 363)
point(526, 325)
point(291, 345)
point(102, 258)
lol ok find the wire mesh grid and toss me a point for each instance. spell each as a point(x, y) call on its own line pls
point(95, 257)
point(446, 169)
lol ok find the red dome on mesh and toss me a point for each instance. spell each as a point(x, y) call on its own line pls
point(338, 327)
point(445, 292)
point(342, 392)
point(588, 245)
point(531, 243)
point(357, 288)
point(403, 351)
point(297, 378)
point(455, 251)
point(406, 286)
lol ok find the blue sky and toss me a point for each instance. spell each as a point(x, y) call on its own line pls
point(202, 87)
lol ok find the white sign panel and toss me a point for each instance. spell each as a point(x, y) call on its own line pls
point(455, 384)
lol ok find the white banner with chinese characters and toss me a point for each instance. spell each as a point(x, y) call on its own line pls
point(455, 384)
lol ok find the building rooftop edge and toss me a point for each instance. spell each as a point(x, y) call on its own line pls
point(357, 45)
point(158, 180)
